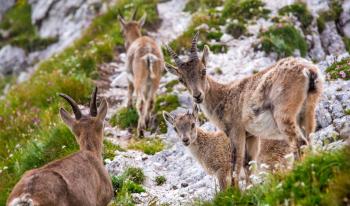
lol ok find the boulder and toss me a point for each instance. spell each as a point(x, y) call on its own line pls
point(332, 42)
point(12, 60)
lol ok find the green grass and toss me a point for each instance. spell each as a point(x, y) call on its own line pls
point(160, 180)
point(283, 39)
point(340, 69)
point(129, 182)
point(109, 150)
point(300, 11)
point(22, 33)
point(125, 118)
point(168, 103)
point(244, 10)
point(236, 29)
point(333, 14)
point(195, 5)
point(29, 112)
point(321, 179)
point(170, 85)
point(149, 146)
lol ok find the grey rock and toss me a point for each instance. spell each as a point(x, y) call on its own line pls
point(12, 60)
point(5, 5)
point(342, 126)
point(345, 19)
point(337, 109)
point(316, 52)
point(332, 42)
point(323, 116)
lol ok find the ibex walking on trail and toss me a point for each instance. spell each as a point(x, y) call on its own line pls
point(80, 178)
point(144, 67)
point(276, 103)
point(211, 149)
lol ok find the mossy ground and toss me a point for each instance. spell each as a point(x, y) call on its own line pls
point(160, 180)
point(168, 103)
point(149, 146)
point(109, 150)
point(339, 70)
point(321, 179)
point(300, 11)
point(31, 133)
point(21, 32)
point(125, 118)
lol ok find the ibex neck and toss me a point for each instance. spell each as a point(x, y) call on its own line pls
point(92, 144)
point(214, 95)
point(132, 38)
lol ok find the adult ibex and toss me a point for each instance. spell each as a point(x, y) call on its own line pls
point(144, 67)
point(276, 103)
point(80, 178)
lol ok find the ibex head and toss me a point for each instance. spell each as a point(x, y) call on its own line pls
point(131, 29)
point(88, 129)
point(184, 125)
point(191, 73)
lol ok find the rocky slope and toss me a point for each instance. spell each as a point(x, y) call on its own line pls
point(186, 181)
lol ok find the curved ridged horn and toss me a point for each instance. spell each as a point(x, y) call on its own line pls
point(73, 104)
point(194, 53)
point(93, 106)
point(133, 16)
point(173, 55)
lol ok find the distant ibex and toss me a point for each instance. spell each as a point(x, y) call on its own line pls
point(144, 67)
point(276, 103)
point(80, 178)
point(211, 149)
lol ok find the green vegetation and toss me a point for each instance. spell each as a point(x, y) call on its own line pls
point(283, 39)
point(195, 5)
point(244, 10)
point(160, 180)
point(168, 103)
point(332, 14)
point(170, 85)
point(300, 11)
point(21, 32)
point(31, 133)
point(321, 179)
point(149, 146)
point(347, 43)
point(129, 182)
point(109, 149)
point(4, 81)
point(340, 69)
point(218, 71)
point(236, 29)
point(125, 118)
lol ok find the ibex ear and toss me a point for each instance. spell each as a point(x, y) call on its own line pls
point(172, 69)
point(67, 119)
point(195, 111)
point(122, 21)
point(205, 55)
point(168, 117)
point(142, 21)
point(102, 109)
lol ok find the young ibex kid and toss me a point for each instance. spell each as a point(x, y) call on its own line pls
point(211, 149)
point(80, 178)
point(276, 103)
point(144, 67)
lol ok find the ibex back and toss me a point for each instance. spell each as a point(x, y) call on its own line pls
point(79, 179)
point(144, 66)
point(276, 103)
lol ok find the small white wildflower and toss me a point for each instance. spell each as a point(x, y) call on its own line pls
point(279, 185)
point(235, 21)
point(11, 155)
point(107, 161)
point(64, 146)
point(17, 146)
point(249, 186)
point(5, 168)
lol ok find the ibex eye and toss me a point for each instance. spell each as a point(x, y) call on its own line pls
point(175, 129)
point(204, 72)
point(193, 125)
point(182, 81)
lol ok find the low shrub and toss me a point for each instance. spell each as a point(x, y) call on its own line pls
point(125, 118)
point(333, 14)
point(284, 39)
point(340, 69)
point(236, 29)
point(300, 11)
point(160, 180)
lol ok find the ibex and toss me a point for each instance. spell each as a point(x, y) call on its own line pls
point(80, 178)
point(144, 67)
point(276, 103)
point(211, 149)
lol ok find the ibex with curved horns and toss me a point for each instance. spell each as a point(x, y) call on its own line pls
point(276, 103)
point(80, 178)
point(144, 67)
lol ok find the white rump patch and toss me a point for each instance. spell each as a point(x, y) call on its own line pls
point(23, 200)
